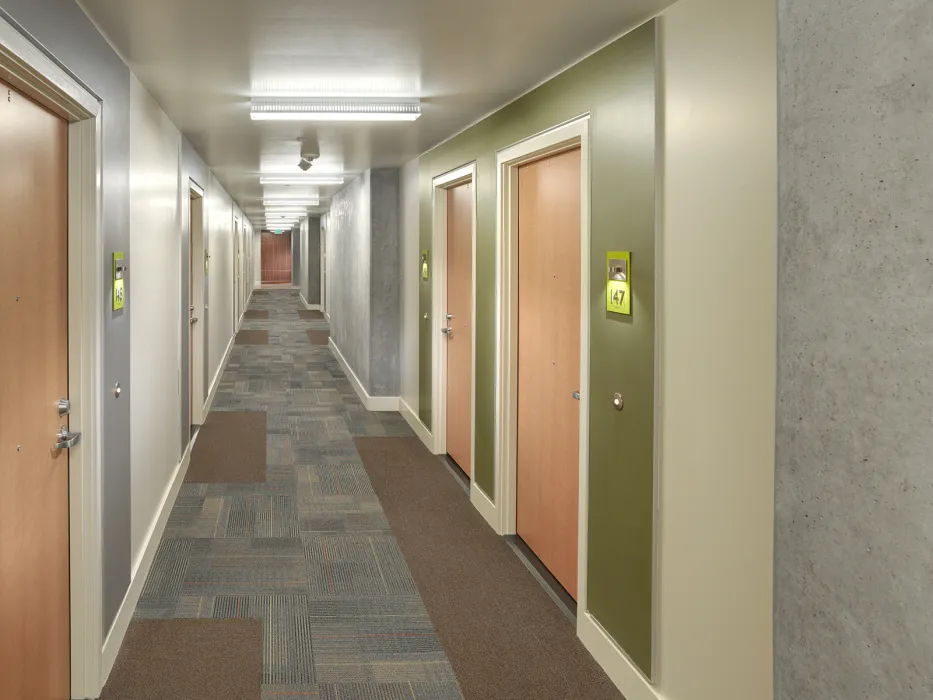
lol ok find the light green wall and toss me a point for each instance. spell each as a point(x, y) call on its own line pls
point(616, 86)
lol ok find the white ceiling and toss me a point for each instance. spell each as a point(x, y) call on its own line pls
point(202, 59)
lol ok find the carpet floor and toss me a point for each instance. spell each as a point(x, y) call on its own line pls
point(252, 337)
point(231, 448)
point(316, 337)
point(310, 315)
point(308, 554)
point(505, 637)
point(256, 313)
point(188, 660)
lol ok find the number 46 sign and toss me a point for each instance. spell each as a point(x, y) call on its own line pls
point(619, 282)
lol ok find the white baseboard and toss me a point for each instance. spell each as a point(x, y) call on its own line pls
point(421, 430)
point(486, 507)
point(216, 381)
point(372, 403)
point(125, 614)
point(309, 307)
point(630, 681)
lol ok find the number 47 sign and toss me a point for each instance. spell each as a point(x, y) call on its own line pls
point(619, 282)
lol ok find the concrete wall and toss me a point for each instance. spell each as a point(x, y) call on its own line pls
point(70, 37)
point(410, 273)
point(362, 243)
point(717, 258)
point(349, 250)
point(299, 267)
point(313, 247)
point(854, 493)
point(384, 292)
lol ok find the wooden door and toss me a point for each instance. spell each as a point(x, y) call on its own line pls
point(548, 444)
point(459, 307)
point(276, 258)
point(193, 263)
point(35, 644)
point(236, 272)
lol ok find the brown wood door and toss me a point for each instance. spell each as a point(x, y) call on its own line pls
point(35, 644)
point(276, 258)
point(549, 362)
point(459, 307)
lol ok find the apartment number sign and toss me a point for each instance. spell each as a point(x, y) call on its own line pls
point(619, 282)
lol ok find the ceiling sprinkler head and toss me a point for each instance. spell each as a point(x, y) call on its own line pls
point(304, 163)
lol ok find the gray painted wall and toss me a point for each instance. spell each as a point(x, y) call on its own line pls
point(385, 292)
point(313, 276)
point(70, 37)
point(348, 246)
point(854, 483)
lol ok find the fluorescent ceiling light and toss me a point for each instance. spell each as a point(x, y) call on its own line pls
point(333, 109)
point(295, 180)
point(282, 203)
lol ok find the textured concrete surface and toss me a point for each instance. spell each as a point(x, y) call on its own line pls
point(854, 486)
point(313, 277)
point(348, 246)
point(385, 284)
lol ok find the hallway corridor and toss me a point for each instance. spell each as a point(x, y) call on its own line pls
point(308, 552)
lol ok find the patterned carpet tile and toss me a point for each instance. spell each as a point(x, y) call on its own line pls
point(370, 564)
point(309, 552)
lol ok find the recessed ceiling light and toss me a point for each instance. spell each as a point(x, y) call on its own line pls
point(310, 180)
point(333, 110)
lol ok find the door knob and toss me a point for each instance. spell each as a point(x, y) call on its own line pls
point(576, 395)
point(193, 320)
point(617, 402)
point(66, 439)
point(448, 331)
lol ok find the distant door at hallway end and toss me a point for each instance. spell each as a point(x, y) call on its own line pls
point(276, 254)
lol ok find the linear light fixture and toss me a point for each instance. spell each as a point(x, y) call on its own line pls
point(324, 109)
point(310, 180)
point(290, 202)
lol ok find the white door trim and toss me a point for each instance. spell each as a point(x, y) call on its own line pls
point(561, 138)
point(197, 330)
point(440, 185)
point(26, 66)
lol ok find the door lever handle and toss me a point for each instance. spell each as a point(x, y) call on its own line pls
point(67, 440)
point(448, 331)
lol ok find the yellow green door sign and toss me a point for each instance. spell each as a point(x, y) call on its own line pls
point(619, 282)
point(424, 264)
point(119, 269)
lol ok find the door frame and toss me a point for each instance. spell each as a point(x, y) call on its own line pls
point(236, 272)
point(440, 185)
point(25, 65)
point(501, 513)
point(197, 333)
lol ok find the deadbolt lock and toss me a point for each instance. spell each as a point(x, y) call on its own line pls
point(617, 402)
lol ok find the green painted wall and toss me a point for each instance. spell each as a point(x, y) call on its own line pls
point(616, 86)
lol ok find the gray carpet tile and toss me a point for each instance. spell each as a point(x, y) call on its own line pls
point(309, 552)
